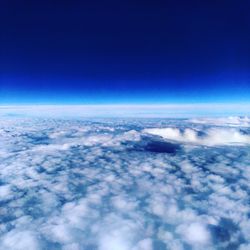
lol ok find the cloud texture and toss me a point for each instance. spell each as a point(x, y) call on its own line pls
point(209, 137)
point(123, 184)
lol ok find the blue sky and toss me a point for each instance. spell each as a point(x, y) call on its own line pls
point(123, 92)
point(153, 52)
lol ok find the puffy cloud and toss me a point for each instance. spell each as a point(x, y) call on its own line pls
point(5, 192)
point(209, 137)
point(231, 121)
point(195, 233)
point(145, 244)
point(115, 184)
point(19, 240)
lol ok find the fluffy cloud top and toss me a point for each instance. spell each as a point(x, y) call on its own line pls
point(117, 184)
point(208, 137)
point(231, 121)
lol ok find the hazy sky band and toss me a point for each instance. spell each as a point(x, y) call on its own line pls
point(119, 111)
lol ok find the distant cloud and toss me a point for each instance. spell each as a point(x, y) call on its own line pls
point(231, 121)
point(127, 110)
point(208, 137)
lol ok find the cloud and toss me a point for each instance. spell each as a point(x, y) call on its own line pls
point(125, 111)
point(145, 244)
point(195, 233)
point(231, 121)
point(19, 240)
point(112, 184)
point(5, 192)
point(209, 137)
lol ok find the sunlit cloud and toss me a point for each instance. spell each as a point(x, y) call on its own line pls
point(120, 184)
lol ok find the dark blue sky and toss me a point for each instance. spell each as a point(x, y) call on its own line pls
point(124, 51)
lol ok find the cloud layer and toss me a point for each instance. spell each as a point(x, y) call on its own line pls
point(123, 185)
point(209, 137)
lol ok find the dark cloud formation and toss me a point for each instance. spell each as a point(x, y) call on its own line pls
point(123, 185)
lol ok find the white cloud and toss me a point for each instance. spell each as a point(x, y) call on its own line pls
point(231, 121)
point(117, 233)
point(113, 242)
point(244, 247)
point(19, 240)
point(212, 136)
point(76, 184)
point(195, 233)
point(5, 192)
point(121, 111)
point(145, 244)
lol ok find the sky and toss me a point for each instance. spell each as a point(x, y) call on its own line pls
point(123, 52)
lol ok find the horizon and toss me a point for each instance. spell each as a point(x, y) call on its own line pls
point(128, 110)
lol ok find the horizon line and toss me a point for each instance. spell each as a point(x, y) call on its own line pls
point(170, 104)
point(128, 110)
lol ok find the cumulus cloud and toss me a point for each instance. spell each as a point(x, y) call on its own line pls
point(115, 184)
point(209, 137)
point(5, 192)
point(195, 233)
point(231, 121)
point(19, 240)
